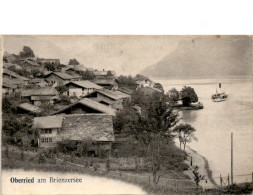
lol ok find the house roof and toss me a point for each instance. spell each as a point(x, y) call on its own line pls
point(76, 68)
point(86, 127)
point(85, 84)
point(125, 90)
point(7, 65)
point(32, 63)
point(13, 74)
point(62, 75)
point(37, 80)
point(122, 94)
point(30, 108)
point(104, 81)
point(12, 83)
point(44, 91)
point(91, 104)
point(100, 73)
point(47, 122)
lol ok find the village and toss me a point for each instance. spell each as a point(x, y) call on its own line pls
point(59, 117)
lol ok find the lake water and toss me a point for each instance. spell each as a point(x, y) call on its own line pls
point(216, 121)
point(89, 185)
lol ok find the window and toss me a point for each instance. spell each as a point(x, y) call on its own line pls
point(46, 140)
point(48, 131)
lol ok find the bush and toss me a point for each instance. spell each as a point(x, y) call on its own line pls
point(96, 167)
point(41, 159)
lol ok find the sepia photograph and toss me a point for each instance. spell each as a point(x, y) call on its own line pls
point(127, 114)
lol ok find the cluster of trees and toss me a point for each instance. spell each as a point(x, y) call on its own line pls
point(187, 95)
point(73, 62)
point(154, 128)
point(27, 52)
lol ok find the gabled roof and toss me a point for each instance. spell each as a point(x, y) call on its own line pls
point(62, 75)
point(85, 84)
point(91, 104)
point(95, 127)
point(47, 122)
point(44, 91)
point(108, 93)
point(13, 74)
point(30, 108)
point(31, 62)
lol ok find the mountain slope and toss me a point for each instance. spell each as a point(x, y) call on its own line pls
point(206, 56)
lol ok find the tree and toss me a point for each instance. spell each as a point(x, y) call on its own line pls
point(152, 129)
point(185, 134)
point(27, 52)
point(159, 86)
point(87, 75)
point(73, 62)
point(173, 95)
point(188, 95)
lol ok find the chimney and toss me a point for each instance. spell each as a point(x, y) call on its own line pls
point(219, 85)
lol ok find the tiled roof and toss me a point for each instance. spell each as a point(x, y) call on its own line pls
point(30, 108)
point(96, 127)
point(13, 74)
point(40, 92)
point(85, 84)
point(62, 75)
point(108, 93)
point(91, 104)
point(48, 122)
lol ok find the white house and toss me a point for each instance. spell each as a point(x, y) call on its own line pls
point(80, 88)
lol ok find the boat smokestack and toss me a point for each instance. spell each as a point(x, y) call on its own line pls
point(219, 85)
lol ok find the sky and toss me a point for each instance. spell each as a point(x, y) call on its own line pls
point(126, 55)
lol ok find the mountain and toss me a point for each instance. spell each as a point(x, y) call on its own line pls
point(206, 56)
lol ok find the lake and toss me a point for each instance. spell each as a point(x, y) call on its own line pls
point(89, 185)
point(217, 120)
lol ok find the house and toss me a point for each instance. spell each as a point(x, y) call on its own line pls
point(10, 86)
point(103, 74)
point(12, 75)
point(80, 88)
point(26, 108)
point(8, 65)
point(49, 61)
point(144, 83)
point(46, 129)
point(149, 90)
point(40, 95)
point(74, 69)
point(30, 65)
point(109, 98)
point(85, 106)
point(39, 82)
point(108, 83)
point(60, 78)
point(77, 128)
point(10, 58)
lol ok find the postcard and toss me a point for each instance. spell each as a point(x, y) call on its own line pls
point(126, 114)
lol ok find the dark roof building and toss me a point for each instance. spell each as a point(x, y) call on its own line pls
point(80, 127)
point(86, 106)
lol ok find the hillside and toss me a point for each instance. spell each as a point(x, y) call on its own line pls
point(212, 56)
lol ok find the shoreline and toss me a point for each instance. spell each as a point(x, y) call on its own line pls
point(204, 169)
